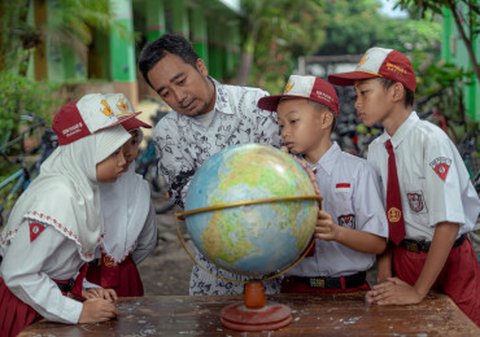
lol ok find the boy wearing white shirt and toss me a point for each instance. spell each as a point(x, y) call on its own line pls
point(436, 204)
point(351, 227)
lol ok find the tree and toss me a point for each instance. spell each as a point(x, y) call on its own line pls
point(73, 24)
point(355, 26)
point(274, 32)
point(466, 14)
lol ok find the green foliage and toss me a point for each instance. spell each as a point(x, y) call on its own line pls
point(466, 15)
point(355, 26)
point(16, 35)
point(440, 88)
point(19, 94)
point(276, 32)
point(76, 20)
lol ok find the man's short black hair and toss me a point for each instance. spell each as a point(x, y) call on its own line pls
point(168, 43)
point(409, 94)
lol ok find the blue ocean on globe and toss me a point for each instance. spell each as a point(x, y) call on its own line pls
point(251, 209)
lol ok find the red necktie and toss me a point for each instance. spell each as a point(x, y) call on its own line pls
point(396, 222)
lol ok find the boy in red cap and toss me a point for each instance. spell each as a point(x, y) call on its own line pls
point(56, 224)
point(431, 203)
point(351, 227)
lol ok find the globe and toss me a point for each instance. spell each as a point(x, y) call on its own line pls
point(251, 209)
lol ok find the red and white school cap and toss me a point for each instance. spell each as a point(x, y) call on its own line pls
point(309, 87)
point(92, 113)
point(379, 62)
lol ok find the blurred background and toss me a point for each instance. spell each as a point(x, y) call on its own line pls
point(54, 51)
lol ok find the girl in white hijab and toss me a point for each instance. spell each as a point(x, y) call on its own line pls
point(56, 224)
point(130, 224)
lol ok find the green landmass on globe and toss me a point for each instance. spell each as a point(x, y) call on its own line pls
point(229, 223)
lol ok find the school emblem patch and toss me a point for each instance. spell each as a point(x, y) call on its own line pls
point(347, 220)
point(394, 214)
point(441, 165)
point(415, 201)
point(35, 229)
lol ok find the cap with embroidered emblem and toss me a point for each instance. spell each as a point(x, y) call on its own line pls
point(309, 87)
point(379, 62)
point(92, 113)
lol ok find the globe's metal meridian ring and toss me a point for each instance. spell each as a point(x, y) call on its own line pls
point(181, 216)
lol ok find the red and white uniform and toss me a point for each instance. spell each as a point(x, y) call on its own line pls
point(130, 234)
point(351, 194)
point(435, 187)
point(53, 229)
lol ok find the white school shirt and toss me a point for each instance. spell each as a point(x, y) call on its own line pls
point(434, 182)
point(130, 221)
point(351, 194)
point(29, 267)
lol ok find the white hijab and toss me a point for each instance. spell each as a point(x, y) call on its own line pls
point(125, 206)
point(66, 195)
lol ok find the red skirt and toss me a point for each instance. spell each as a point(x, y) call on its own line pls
point(15, 315)
point(123, 278)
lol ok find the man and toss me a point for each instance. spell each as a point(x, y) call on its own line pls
point(207, 117)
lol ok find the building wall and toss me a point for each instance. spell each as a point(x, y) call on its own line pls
point(454, 50)
point(111, 61)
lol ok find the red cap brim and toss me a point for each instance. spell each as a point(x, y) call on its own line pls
point(270, 103)
point(346, 79)
point(134, 123)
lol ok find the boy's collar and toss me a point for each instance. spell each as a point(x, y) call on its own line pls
point(403, 130)
point(328, 160)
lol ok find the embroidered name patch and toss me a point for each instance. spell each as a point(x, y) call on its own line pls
point(35, 229)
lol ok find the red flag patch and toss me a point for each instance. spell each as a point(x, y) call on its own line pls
point(441, 165)
point(342, 185)
point(35, 229)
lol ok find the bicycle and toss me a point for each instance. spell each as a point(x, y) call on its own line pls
point(24, 171)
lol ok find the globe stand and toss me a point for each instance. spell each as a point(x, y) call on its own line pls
point(255, 314)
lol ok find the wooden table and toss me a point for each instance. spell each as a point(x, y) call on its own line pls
point(326, 315)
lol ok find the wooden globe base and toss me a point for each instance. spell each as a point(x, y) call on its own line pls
point(271, 317)
point(255, 314)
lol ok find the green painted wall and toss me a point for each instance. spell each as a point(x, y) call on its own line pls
point(453, 50)
point(199, 36)
point(155, 16)
point(122, 48)
point(180, 24)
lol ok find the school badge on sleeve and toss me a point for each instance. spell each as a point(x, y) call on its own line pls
point(441, 165)
point(35, 229)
